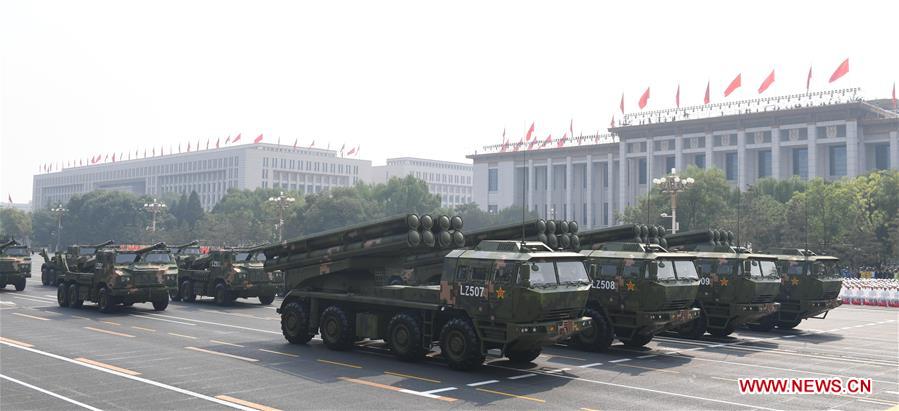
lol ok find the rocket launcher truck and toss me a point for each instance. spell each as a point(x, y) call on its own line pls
point(229, 274)
point(355, 283)
point(53, 269)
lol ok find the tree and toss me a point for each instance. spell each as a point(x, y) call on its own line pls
point(703, 205)
point(406, 195)
point(14, 225)
point(43, 226)
point(192, 212)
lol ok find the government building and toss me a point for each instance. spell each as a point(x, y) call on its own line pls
point(451, 181)
point(208, 172)
point(589, 179)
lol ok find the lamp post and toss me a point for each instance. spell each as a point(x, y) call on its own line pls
point(154, 208)
point(281, 201)
point(673, 184)
point(59, 210)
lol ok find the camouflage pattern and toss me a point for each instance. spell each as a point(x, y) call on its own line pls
point(15, 264)
point(227, 275)
point(76, 257)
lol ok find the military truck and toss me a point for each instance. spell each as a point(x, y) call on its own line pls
point(736, 286)
point(810, 285)
point(400, 280)
point(186, 252)
point(228, 274)
point(53, 269)
point(15, 264)
point(114, 277)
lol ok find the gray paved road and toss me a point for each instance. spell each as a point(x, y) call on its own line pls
point(201, 356)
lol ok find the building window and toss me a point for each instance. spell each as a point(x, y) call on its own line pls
point(764, 164)
point(800, 162)
point(699, 160)
point(730, 166)
point(669, 163)
point(882, 156)
point(837, 161)
point(492, 179)
point(641, 171)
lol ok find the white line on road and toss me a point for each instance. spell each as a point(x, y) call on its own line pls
point(479, 383)
point(440, 390)
point(557, 370)
point(518, 377)
point(52, 394)
point(595, 364)
point(209, 322)
point(620, 360)
point(147, 316)
point(647, 356)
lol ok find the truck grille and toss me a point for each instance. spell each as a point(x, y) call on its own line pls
point(675, 304)
point(555, 315)
point(763, 298)
point(830, 295)
point(144, 278)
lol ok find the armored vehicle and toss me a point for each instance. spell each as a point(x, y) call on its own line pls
point(114, 277)
point(399, 280)
point(736, 286)
point(53, 269)
point(228, 274)
point(15, 264)
point(809, 287)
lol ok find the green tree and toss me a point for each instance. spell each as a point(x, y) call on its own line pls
point(406, 195)
point(193, 210)
point(15, 225)
point(43, 224)
point(704, 205)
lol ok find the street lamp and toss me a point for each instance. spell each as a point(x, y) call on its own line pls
point(281, 201)
point(154, 208)
point(673, 184)
point(59, 210)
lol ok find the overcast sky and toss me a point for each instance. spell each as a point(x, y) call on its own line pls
point(428, 79)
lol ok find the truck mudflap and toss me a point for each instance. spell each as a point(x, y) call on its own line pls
point(658, 321)
point(812, 308)
point(546, 332)
point(139, 294)
point(751, 312)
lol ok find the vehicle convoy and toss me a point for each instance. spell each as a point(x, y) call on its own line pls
point(186, 252)
point(228, 274)
point(170, 261)
point(53, 269)
point(114, 277)
point(15, 264)
point(736, 286)
point(809, 287)
point(638, 289)
point(400, 279)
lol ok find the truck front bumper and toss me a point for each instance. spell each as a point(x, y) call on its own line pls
point(12, 277)
point(657, 321)
point(751, 312)
point(543, 333)
point(139, 294)
point(811, 308)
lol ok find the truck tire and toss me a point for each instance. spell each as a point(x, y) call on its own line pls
point(599, 336)
point(765, 323)
point(74, 299)
point(161, 304)
point(337, 331)
point(188, 294)
point(789, 325)
point(221, 295)
point(295, 323)
point(405, 337)
point(175, 295)
point(104, 301)
point(44, 279)
point(266, 299)
point(62, 295)
point(20, 285)
point(460, 346)
point(524, 356)
point(638, 340)
point(696, 328)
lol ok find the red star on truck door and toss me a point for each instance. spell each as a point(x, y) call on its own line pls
point(500, 293)
point(795, 281)
point(631, 286)
point(723, 282)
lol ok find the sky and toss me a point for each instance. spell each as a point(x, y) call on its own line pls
point(427, 79)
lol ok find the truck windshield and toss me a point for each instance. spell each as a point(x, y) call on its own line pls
point(560, 272)
point(571, 272)
point(243, 257)
point(824, 269)
point(726, 267)
point(158, 258)
point(664, 270)
point(125, 258)
point(86, 250)
point(633, 268)
point(768, 268)
point(16, 251)
point(542, 273)
point(190, 251)
point(685, 270)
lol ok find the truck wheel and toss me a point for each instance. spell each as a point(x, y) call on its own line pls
point(599, 336)
point(104, 301)
point(765, 323)
point(161, 304)
point(460, 346)
point(221, 294)
point(44, 275)
point(638, 340)
point(295, 323)
point(695, 328)
point(187, 292)
point(62, 295)
point(524, 356)
point(175, 295)
point(74, 300)
point(722, 332)
point(336, 329)
point(788, 325)
point(20, 285)
point(405, 337)
point(266, 299)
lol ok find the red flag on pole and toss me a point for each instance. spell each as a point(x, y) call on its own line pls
point(562, 140)
point(571, 127)
point(236, 139)
point(530, 132)
point(621, 106)
point(767, 82)
point(894, 95)
point(257, 139)
point(502, 148)
point(707, 97)
point(188, 146)
point(840, 71)
point(228, 140)
point(217, 140)
point(312, 144)
point(677, 97)
point(10, 197)
point(644, 99)
point(612, 123)
point(295, 141)
point(548, 139)
point(357, 150)
point(808, 81)
point(532, 144)
point(352, 150)
point(207, 144)
point(734, 84)
point(342, 146)
point(518, 146)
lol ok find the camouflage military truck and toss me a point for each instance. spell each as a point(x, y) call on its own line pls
point(399, 280)
point(809, 287)
point(53, 269)
point(15, 264)
point(186, 252)
point(114, 277)
point(227, 275)
point(736, 286)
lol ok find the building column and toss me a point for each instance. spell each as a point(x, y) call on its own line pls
point(851, 148)
point(588, 219)
point(678, 154)
point(531, 186)
point(709, 164)
point(610, 163)
point(775, 153)
point(569, 182)
point(622, 176)
point(649, 167)
point(812, 148)
point(549, 188)
point(862, 152)
point(894, 150)
point(741, 160)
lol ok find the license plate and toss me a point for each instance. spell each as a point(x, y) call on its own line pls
point(566, 327)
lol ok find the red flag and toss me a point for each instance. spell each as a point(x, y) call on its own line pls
point(312, 144)
point(677, 96)
point(352, 150)
point(571, 127)
point(295, 141)
point(532, 144)
point(342, 146)
point(518, 146)
point(612, 123)
point(107, 157)
point(562, 140)
point(530, 132)
point(113, 157)
point(707, 98)
point(548, 139)
point(236, 139)
point(735, 84)
point(80, 163)
point(894, 95)
point(217, 142)
point(257, 139)
point(502, 148)
point(621, 106)
point(767, 82)
point(840, 71)
point(644, 99)
point(357, 150)
point(10, 197)
point(808, 81)
point(228, 140)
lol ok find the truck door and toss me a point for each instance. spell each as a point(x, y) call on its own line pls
point(607, 282)
point(472, 291)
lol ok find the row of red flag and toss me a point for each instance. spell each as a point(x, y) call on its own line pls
point(529, 141)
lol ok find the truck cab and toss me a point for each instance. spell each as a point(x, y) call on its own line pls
point(15, 264)
point(162, 259)
point(226, 275)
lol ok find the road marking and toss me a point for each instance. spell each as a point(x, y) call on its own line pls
point(788, 336)
point(132, 377)
point(31, 316)
point(222, 354)
point(397, 389)
point(649, 368)
point(518, 377)
point(99, 330)
point(439, 390)
point(252, 405)
point(110, 323)
point(522, 397)
point(148, 317)
point(892, 392)
point(107, 366)
point(182, 336)
point(52, 394)
point(725, 379)
point(557, 370)
point(143, 329)
point(12, 341)
point(7, 303)
point(241, 315)
point(647, 356)
point(338, 363)
point(278, 352)
point(479, 383)
point(588, 409)
point(716, 345)
point(396, 374)
point(596, 364)
point(565, 356)
point(211, 322)
point(35, 300)
point(620, 360)
point(873, 401)
point(79, 317)
point(227, 343)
